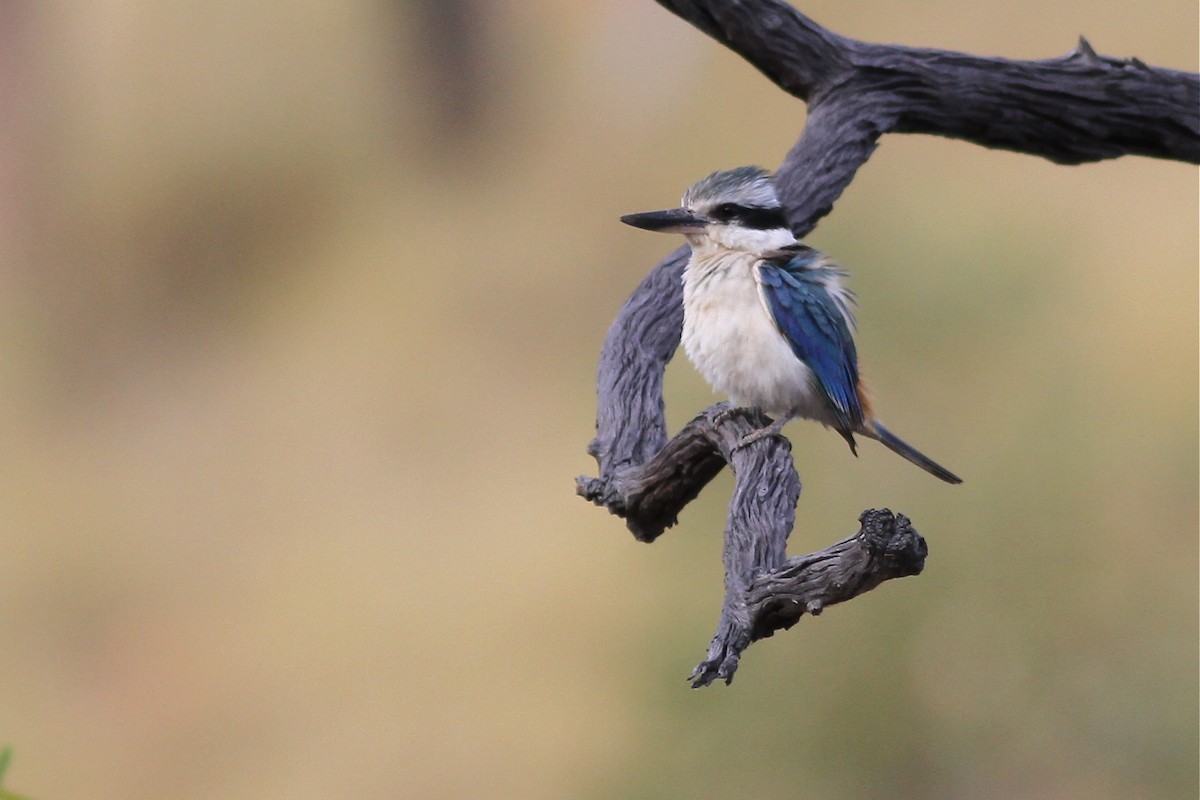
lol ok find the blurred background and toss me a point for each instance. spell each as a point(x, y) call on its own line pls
point(300, 306)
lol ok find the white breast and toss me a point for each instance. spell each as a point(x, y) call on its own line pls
point(732, 341)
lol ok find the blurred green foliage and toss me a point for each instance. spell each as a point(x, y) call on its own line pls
point(5, 757)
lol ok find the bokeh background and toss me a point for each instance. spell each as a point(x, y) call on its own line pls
point(299, 312)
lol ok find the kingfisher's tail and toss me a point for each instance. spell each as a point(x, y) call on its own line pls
point(900, 447)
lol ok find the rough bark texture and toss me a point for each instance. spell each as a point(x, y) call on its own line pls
point(1078, 108)
point(885, 547)
point(1074, 109)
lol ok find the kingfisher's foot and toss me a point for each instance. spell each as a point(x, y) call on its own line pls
point(754, 436)
point(774, 429)
point(724, 414)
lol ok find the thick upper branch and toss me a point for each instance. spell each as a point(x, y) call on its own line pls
point(1078, 108)
point(1071, 110)
point(1120, 106)
point(797, 54)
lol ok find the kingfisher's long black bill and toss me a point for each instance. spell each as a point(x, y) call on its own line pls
point(673, 220)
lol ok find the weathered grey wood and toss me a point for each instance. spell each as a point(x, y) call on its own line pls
point(761, 511)
point(1074, 109)
point(630, 422)
point(1078, 108)
point(885, 547)
point(649, 496)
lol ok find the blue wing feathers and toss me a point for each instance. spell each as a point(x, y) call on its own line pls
point(817, 330)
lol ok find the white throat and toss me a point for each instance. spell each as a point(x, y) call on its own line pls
point(740, 239)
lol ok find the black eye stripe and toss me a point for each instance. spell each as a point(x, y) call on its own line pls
point(756, 217)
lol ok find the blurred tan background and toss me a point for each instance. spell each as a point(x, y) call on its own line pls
point(299, 311)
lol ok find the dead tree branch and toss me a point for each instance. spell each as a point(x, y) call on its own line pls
point(1078, 108)
point(885, 547)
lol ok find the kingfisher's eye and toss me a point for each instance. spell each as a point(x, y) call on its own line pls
point(726, 211)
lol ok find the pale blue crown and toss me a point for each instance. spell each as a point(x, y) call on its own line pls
point(744, 186)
